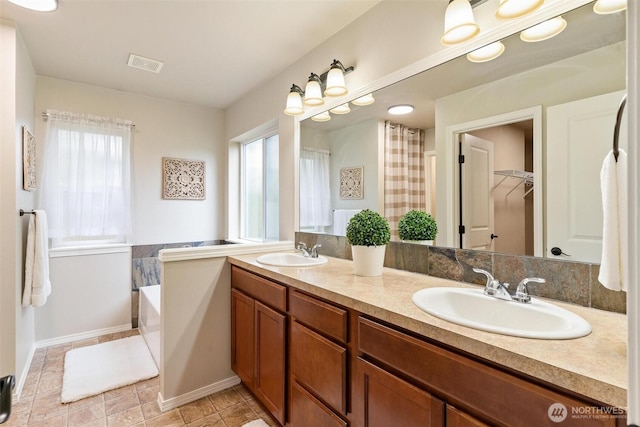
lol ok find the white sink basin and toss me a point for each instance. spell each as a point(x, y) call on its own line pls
point(286, 259)
point(472, 308)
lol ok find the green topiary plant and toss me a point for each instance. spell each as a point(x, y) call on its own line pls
point(368, 228)
point(417, 225)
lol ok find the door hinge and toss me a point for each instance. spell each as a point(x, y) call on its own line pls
point(461, 158)
point(461, 229)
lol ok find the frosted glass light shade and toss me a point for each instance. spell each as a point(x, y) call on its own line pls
point(544, 30)
point(294, 104)
point(322, 117)
point(341, 109)
point(398, 110)
point(37, 5)
point(335, 83)
point(367, 99)
point(510, 9)
point(604, 7)
point(459, 23)
point(313, 93)
point(486, 53)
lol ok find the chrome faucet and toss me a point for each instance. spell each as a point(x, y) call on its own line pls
point(313, 252)
point(494, 288)
point(522, 293)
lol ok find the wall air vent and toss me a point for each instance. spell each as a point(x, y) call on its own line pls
point(146, 64)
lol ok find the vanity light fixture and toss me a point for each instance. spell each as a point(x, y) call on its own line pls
point(332, 81)
point(604, 7)
point(459, 23)
point(398, 110)
point(367, 99)
point(37, 5)
point(544, 30)
point(322, 117)
point(510, 9)
point(335, 80)
point(486, 53)
point(312, 91)
point(341, 109)
point(294, 101)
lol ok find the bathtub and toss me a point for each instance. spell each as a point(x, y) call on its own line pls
point(149, 319)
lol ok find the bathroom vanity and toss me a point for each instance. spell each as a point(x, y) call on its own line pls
point(320, 346)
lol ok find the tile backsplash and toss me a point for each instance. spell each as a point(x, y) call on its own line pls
point(573, 282)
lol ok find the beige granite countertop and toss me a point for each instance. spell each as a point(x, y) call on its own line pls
point(594, 366)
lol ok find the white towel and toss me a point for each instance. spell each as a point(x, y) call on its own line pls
point(37, 286)
point(615, 255)
point(341, 219)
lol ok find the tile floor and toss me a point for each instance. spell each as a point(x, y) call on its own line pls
point(133, 405)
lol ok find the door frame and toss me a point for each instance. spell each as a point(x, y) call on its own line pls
point(451, 152)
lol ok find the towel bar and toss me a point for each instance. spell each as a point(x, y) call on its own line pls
point(23, 212)
point(616, 130)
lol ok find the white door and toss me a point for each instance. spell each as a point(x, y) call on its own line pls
point(579, 136)
point(476, 198)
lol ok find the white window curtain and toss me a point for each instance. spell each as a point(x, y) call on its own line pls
point(86, 179)
point(315, 192)
point(404, 183)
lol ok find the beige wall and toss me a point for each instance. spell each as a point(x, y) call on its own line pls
point(17, 86)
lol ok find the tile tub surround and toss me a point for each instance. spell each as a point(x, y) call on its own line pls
point(593, 366)
point(145, 267)
point(567, 281)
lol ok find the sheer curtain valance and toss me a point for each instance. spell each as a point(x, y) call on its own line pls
point(86, 179)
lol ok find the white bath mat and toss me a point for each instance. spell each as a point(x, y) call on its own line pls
point(97, 368)
point(256, 423)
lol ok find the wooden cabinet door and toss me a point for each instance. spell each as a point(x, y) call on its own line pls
point(270, 350)
point(457, 418)
point(390, 401)
point(307, 411)
point(242, 336)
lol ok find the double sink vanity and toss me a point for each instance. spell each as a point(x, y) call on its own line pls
point(320, 346)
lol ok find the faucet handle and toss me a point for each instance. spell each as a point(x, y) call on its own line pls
point(314, 250)
point(302, 245)
point(490, 279)
point(522, 293)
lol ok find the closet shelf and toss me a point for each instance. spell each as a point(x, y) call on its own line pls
point(523, 177)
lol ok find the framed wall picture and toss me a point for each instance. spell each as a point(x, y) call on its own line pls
point(352, 182)
point(183, 179)
point(28, 159)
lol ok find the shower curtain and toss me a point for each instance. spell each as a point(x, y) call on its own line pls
point(404, 183)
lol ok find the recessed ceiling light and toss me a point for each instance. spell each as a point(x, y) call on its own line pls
point(37, 5)
point(398, 110)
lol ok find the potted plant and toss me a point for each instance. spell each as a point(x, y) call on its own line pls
point(417, 226)
point(368, 233)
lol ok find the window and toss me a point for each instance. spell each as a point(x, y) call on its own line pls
point(260, 189)
point(85, 185)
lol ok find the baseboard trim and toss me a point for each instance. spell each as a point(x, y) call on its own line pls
point(174, 402)
point(82, 335)
point(17, 391)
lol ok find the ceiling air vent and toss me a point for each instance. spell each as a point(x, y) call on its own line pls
point(146, 64)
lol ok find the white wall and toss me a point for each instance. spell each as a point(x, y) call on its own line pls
point(162, 129)
point(356, 145)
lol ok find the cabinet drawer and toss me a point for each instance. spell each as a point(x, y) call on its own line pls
point(263, 290)
point(472, 386)
point(320, 365)
point(318, 315)
point(307, 411)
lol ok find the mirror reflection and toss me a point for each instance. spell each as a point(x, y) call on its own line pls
point(532, 126)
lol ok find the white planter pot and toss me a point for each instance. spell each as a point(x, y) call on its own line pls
point(368, 260)
point(420, 242)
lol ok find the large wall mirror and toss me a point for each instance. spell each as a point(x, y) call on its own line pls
point(505, 154)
